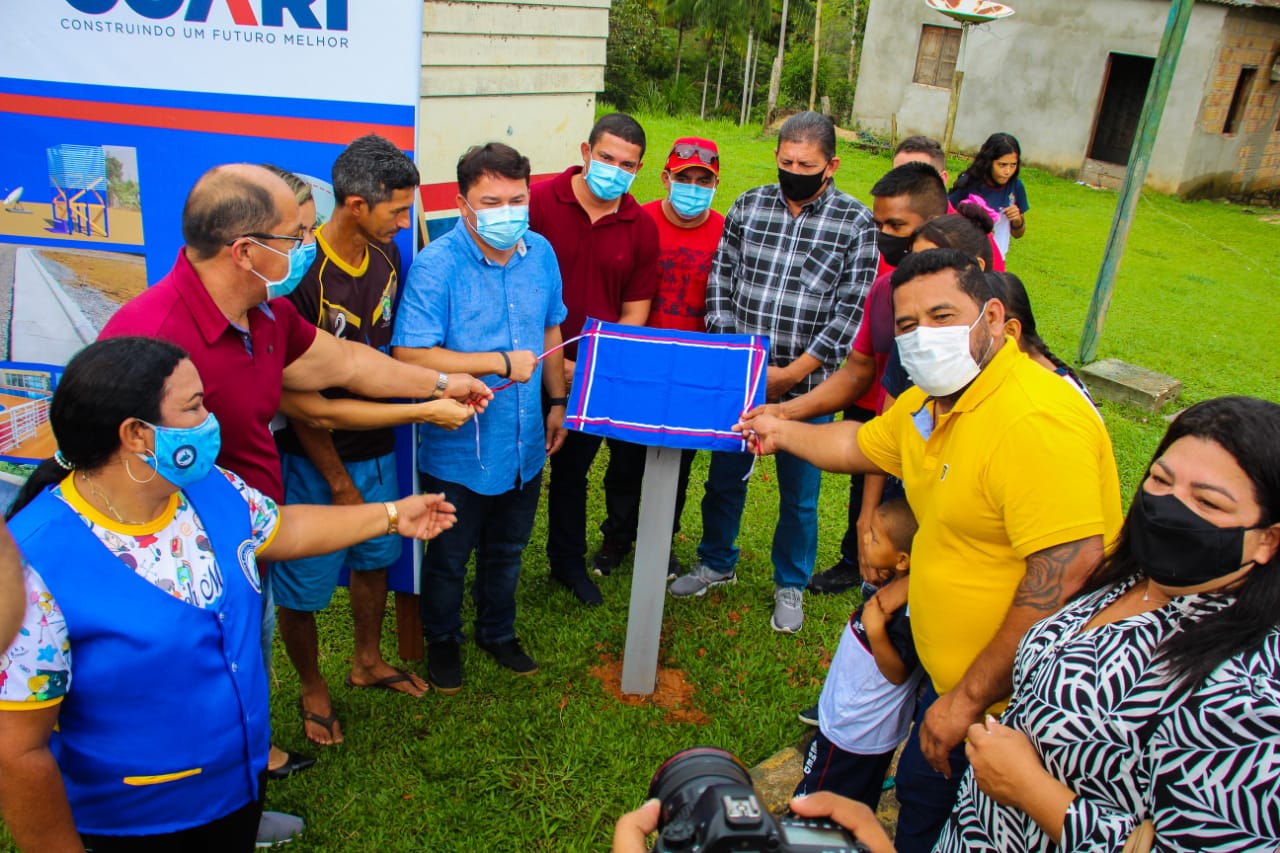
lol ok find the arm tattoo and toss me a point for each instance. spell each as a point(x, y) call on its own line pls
point(1042, 587)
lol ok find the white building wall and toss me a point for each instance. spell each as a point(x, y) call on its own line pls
point(523, 73)
point(1038, 74)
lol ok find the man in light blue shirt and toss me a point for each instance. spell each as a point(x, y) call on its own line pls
point(485, 299)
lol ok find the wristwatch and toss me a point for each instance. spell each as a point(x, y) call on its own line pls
point(442, 384)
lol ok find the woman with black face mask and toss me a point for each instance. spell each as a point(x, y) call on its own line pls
point(1151, 703)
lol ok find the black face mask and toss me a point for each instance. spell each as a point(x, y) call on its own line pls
point(797, 187)
point(1178, 548)
point(893, 249)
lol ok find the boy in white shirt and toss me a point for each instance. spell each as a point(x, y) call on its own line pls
point(870, 693)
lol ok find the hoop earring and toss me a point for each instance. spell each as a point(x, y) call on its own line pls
point(154, 471)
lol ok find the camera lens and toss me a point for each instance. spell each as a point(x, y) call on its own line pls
point(684, 776)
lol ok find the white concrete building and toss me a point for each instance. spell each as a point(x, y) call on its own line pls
point(1068, 79)
point(518, 72)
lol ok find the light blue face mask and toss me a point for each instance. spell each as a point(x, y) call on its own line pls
point(300, 260)
point(606, 181)
point(185, 455)
point(501, 227)
point(690, 200)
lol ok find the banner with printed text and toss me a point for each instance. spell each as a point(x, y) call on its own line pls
point(111, 109)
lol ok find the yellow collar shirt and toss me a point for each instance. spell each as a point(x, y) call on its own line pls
point(1021, 463)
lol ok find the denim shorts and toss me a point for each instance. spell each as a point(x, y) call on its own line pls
point(308, 584)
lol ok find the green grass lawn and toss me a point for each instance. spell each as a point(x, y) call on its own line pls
point(547, 762)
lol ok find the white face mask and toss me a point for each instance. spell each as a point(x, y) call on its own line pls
point(938, 359)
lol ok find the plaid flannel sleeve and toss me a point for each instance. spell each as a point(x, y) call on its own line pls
point(833, 341)
point(719, 317)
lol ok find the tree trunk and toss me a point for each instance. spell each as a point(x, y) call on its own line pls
point(817, 41)
point(724, 43)
point(748, 68)
point(853, 49)
point(776, 77)
point(679, 49)
point(706, 77)
point(853, 39)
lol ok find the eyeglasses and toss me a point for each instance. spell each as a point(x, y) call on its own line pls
point(295, 239)
point(687, 150)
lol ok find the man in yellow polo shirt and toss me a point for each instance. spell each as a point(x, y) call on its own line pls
point(1011, 476)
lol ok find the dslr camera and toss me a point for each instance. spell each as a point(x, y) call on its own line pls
point(710, 806)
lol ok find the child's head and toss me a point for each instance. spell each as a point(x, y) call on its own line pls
point(998, 161)
point(886, 547)
point(964, 231)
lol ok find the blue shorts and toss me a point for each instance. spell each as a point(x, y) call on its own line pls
point(308, 584)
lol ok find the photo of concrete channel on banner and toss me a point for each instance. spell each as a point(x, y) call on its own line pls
point(666, 388)
point(111, 110)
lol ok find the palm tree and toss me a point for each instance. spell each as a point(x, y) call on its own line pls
point(681, 15)
point(758, 15)
point(717, 18)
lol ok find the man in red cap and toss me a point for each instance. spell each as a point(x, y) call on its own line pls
point(688, 234)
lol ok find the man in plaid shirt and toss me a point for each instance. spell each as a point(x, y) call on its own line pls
point(795, 263)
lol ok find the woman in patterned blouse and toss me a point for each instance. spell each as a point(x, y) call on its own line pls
point(1155, 695)
point(142, 569)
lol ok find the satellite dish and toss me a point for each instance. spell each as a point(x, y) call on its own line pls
point(322, 195)
point(970, 11)
point(13, 198)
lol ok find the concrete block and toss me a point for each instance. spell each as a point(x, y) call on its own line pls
point(776, 777)
point(1119, 382)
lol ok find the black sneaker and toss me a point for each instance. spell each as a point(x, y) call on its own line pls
point(611, 554)
point(809, 716)
point(508, 653)
point(841, 577)
point(581, 586)
point(444, 666)
point(674, 569)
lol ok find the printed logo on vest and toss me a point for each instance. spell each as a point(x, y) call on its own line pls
point(249, 565)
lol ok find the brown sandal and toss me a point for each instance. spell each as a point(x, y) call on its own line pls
point(326, 723)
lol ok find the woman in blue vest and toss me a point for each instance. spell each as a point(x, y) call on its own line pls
point(133, 704)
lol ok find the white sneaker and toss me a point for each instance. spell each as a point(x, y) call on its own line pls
point(788, 609)
point(277, 828)
point(699, 580)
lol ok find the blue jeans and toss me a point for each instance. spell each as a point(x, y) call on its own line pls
point(268, 615)
point(849, 545)
point(496, 528)
point(795, 538)
point(925, 796)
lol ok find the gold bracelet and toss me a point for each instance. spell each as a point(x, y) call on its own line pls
point(393, 518)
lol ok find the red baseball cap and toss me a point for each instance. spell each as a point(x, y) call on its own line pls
point(688, 151)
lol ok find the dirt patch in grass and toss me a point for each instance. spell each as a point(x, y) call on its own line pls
point(673, 693)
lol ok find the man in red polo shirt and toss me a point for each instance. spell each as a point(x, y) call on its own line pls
point(607, 249)
point(222, 302)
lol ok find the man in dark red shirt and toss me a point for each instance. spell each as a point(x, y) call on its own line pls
point(214, 304)
point(607, 248)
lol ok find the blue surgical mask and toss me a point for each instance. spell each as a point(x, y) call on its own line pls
point(185, 455)
point(690, 200)
point(606, 181)
point(300, 260)
point(501, 227)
